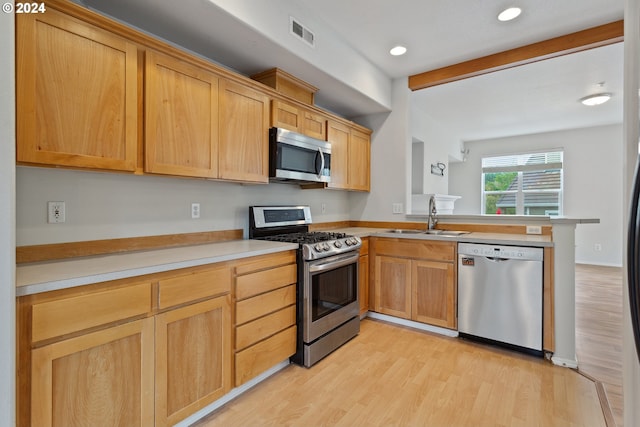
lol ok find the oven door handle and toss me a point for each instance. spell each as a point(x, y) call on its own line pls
point(330, 264)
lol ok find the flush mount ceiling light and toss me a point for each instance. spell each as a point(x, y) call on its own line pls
point(398, 50)
point(509, 14)
point(597, 99)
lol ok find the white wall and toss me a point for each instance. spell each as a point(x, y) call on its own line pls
point(439, 147)
point(7, 221)
point(390, 165)
point(592, 183)
point(109, 205)
point(331, 54)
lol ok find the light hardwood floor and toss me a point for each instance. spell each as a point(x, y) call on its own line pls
point(396, 376)
point(599, 329)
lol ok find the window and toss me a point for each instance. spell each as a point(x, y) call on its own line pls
point(522, 184)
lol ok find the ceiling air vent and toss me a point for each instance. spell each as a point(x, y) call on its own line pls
point(299, 30)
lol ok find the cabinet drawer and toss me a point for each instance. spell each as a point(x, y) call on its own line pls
point(260, 305)
point(262, 356)
point(194, 286)
point(264, 262)
point(265, 281)
point(64, 316)
point(252, 332)
point(416, 249)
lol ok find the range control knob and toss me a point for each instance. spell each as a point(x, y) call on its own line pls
point(325, 246)
point(318, 247)
point(338, 244)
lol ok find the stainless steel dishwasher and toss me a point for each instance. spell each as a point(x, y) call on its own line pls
point(500, 294)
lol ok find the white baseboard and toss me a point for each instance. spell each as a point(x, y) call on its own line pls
point(412, 324)
point(231, 395)
point(599, 264)
point(567, 363)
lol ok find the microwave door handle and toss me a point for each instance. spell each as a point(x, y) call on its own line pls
point(322, 162)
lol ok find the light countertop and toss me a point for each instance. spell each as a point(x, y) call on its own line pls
point(488, 238)
point(53, 275)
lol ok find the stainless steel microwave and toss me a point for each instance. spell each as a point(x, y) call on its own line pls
point(298, 158)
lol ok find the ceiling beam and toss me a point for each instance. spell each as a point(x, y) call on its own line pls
point(575, 42)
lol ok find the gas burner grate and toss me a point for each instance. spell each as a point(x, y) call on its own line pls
point(307, 237)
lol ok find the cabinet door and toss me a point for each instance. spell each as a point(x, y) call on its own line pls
point(434, 293)
point(359, 161)
point(193, 358)
point(338, 135)
point(393, 286)
point(76, 94)
point(364, 284)
point(314, 125)
point(244, 133)
point(181, 118)
point(104, 378)
point(286, 116)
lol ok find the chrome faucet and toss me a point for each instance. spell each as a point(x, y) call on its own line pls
point(432, 221)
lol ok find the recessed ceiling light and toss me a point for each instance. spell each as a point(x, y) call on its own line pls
point(509, 14)
point(597, 99)
point(398, 50)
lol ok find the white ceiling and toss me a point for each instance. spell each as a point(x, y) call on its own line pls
point(528, 99)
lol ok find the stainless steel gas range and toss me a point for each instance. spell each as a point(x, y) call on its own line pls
point(327, 291)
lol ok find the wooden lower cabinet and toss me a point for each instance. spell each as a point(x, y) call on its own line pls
point(363, 279)
point(155, 349)
point(393, 286)
point(433, 298)
point(415, 280)
point(104, 378)
point(146, 351)
point(265, 314)
point(193, 358)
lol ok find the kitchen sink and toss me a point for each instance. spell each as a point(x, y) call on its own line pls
point(446, 232)
point(433, 232)
point(398, 231)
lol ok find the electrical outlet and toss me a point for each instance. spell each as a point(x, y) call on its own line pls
point(534, 229)
point(55, 212)
point(195, 210)
point(397, 208)
point(597, 247)
point(323, 207)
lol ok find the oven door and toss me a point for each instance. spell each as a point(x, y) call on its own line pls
point(330, 294)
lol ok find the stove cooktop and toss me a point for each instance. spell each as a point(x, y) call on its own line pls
point(306, 237)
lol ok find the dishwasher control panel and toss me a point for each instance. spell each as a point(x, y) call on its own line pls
point(499, 251)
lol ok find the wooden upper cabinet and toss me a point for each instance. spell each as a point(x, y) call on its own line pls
point(244, 133)
point(286, 116)
point(359, 161)
point(338, 136)
point(181, 118)
point(350, 157)
point(76, 94)
point(314, 125)
point(298, 119)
